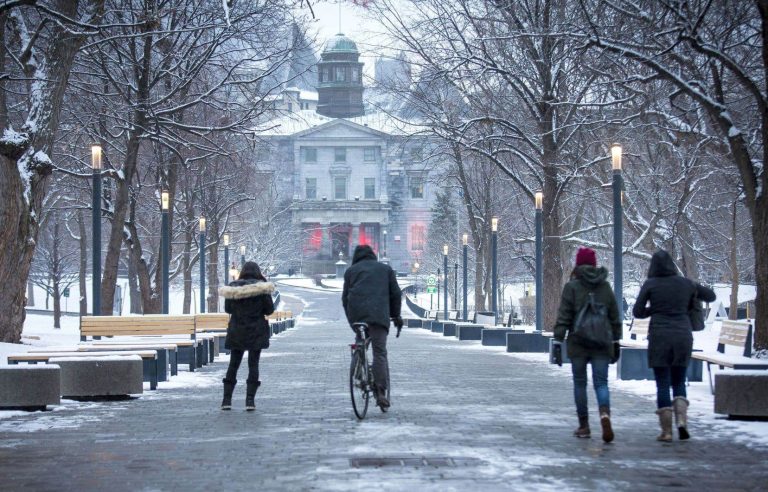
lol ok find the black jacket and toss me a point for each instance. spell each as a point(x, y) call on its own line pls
point(248, 301)
point(371, 294)
point(666, 297)
point(586, 279)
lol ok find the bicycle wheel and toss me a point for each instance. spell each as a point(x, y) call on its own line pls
point(358, 385)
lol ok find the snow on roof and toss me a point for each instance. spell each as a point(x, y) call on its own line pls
point(299, 121)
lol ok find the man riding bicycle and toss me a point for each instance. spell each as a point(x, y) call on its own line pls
point(371, 295)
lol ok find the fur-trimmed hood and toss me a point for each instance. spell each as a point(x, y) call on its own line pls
point(240, 289)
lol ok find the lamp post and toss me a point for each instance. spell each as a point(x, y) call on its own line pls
point(539, 260)
point(494, 267)
point(438, 291)
point(242, 255)
point(226, 258)
point(416, 281)
point(465, 247)
point(445, 286)
point(96, 225)
point(456, 287)
point(618, 185)
point(202, 264)
point(165, 206)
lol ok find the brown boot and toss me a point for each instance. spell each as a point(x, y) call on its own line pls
point(680, 404)
point(605, 423)
point(583, 430)
point(665, 421)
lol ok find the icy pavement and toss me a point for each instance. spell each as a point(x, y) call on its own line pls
point(463, 418)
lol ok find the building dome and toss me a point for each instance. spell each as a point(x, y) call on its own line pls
point(340, 44)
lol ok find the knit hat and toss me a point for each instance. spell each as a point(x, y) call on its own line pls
point(586, 256)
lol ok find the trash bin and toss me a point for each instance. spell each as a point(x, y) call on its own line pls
point(485, 318)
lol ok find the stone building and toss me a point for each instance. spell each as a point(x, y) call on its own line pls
point(352, 177)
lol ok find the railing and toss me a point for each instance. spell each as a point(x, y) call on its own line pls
point(417, 310)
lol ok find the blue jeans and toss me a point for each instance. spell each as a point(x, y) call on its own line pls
point(667, 377)
point(599, 380)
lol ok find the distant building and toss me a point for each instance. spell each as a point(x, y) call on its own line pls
point(353, 178)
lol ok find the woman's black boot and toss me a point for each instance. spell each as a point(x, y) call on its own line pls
point(250, 394)
point(229, 388)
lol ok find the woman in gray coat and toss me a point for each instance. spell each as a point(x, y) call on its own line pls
point(667, 298)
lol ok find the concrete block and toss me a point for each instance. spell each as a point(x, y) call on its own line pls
point(497, 337)
point(469, 331)
point(633, 365)
point(742, 393)
point(527, 342)
point(413, 322)
point(437, 326)
point(83, 377)
point(30, 387)
point(427, 324)
point(449, 329)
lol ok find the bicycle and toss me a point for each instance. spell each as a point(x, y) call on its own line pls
point(361, 383)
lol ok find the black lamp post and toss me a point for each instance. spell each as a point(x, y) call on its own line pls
point(165, 206)
point(202, 264)
point(539, 260)
point(384, 232)
point(618, 185)
point(445, 286)
point(226, 259)
point(456, 287)
point(242, 255)
point(465, 240)
point(494, 268)
point(438, 290)
point(96, 225)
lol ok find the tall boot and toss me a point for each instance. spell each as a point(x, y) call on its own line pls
point(665, 421)
point(605, 423)
point(583, 430)
point(250, 394)
point(680, 404)
point(229, 388)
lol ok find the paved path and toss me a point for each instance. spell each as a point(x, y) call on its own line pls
point(464, 418)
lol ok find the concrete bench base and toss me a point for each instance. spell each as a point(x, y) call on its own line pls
point(84, 377)
point(497, 337)
point(449, 329)
point(30, 387)
point(467, 331)
point(742, 394)
point(633, 365)
point(413, 322)
point(527, 342)
point(437, 326)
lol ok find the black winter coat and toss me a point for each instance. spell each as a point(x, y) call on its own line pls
point(371, 293)
point(586, 279)
point(248, 302)
point(666, 297)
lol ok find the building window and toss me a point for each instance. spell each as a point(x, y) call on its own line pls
point(370, 188)
point(417, 237)
point(290, 107)
point(310, 154)
point(340, 188)
point(340, 154)
point(417, 188)
point(339, 74)
point(355, 75)
point(325, 75)
point(369, 154)
point(311, 188)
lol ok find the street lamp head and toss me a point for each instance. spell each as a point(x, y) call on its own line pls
point(384, 232)
point(165, 200)
point(416, 265)
point(96, 157)
point(616, 157)
point(202, 224)
point(539, 200)
point(465, 239)
point(495, 224)
point(445, 250)
point(226, 239)
point(242, 249)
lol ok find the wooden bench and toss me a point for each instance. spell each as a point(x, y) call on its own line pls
point(736, 334)
point(146, 325)
point(149, 359)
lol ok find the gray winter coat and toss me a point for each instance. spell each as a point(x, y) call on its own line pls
point(666, 297)
point(371, 294)
point(248, 301)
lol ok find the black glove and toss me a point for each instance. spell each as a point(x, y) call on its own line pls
point(398, 322)
point(557, 353)
point(398, 332)
point(616, 352)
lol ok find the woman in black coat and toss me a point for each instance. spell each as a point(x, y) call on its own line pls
point(667, 297)
point(248, 300)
